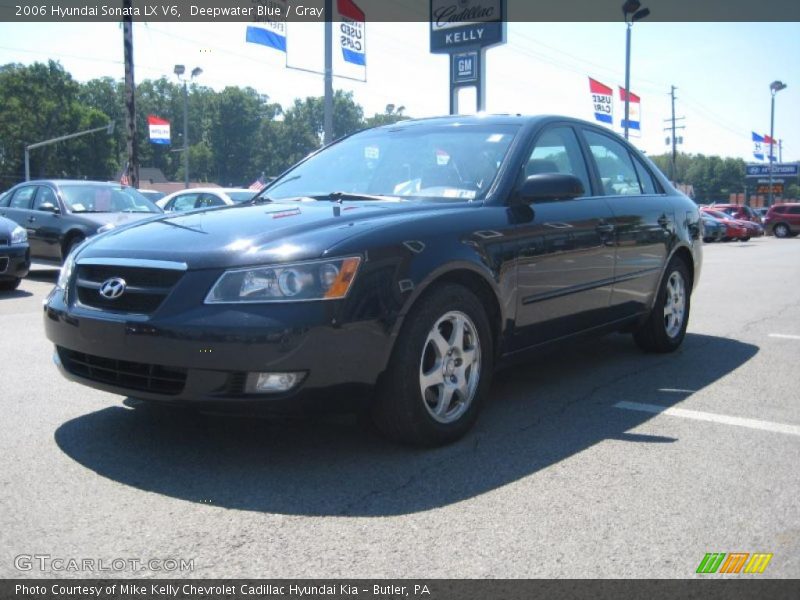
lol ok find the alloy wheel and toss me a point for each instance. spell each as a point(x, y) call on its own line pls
point(450, 367)
point(675, 304)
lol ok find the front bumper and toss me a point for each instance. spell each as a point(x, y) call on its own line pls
point(15, 261)
point(203, 354)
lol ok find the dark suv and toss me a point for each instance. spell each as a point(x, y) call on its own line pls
point(783, 220)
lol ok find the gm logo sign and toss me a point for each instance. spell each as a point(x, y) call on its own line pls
point(734, 562)
point(465, 67)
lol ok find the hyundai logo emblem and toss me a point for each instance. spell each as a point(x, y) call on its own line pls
point(113, 288)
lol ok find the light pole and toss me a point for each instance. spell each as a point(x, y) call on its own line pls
point(632, 13)
point(196, 72)
point(774, 88)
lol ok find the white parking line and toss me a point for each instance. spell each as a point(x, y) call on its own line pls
point(713, 417)
point(784, 336)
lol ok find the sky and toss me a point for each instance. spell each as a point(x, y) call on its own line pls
point(722, 70)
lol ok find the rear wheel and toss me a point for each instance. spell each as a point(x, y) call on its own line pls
point(439, 372)
point(781, 230)
point(665, 328)
point(9, 285)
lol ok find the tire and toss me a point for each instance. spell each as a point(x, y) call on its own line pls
point(664, 331)
point(433, 390)
point(9, 285)
point(745, 239)
point(781, 230)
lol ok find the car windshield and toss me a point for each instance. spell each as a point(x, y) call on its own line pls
point(437, 162)
point(105, 199)
point(240, 196)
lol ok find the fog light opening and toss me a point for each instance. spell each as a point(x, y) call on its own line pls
point(273, 383)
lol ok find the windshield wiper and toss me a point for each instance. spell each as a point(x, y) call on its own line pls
point(339, 196)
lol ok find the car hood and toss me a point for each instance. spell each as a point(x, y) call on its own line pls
point(116, 218)
point(244, 235)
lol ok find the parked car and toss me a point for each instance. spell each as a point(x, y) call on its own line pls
point(713, 229)
point(739, 211)
point(152, 195)
point(734, 228)
point(59, 214)
point(783, 220)
point(762, 212)
point(15, 255)
point(194, 198)
point(409, 260)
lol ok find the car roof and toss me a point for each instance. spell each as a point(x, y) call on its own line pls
point(63, 182)
point(482, 118)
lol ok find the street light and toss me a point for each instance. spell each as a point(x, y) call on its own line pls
point(632, 12)
point(196, 72)
point(774, 88)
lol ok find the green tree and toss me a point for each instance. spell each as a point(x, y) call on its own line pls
point(390, 116)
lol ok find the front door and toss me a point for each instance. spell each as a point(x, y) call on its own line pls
point(566, 254)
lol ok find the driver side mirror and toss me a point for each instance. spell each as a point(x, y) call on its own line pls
point(49, 207)
point(550, 186)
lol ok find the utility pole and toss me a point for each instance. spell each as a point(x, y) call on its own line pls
point(673, 128)
point(328, 102)
point(780, 151)
point(130, 95)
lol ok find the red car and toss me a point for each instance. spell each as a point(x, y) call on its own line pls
point(738, 211)
point(783, 220)
point(734, 228)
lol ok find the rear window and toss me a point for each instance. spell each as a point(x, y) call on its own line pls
point(779, 209)
point(794, 210)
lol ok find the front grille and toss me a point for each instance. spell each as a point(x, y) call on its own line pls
point(145, 288)
point(135, 376)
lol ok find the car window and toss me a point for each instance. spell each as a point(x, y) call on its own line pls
point(45, 196)
point(645, 178)
point(617, 173)
point(794, 210)
point(4, 198)
point(22, 197)
point(208, 200)
point(93, 198)
point(183, 202)
point(557, 151)
point(435, 162)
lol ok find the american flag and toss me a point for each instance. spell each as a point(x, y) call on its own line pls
point(258, 184)
point(123, 179)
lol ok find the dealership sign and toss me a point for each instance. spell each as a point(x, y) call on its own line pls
point(779, 169)
point(457, 24)
point(159, 129)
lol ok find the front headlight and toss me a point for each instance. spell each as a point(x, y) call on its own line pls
point(66, 271)
point(312, 280)
point(18, 235)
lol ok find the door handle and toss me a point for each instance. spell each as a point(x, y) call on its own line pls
point(663, 220)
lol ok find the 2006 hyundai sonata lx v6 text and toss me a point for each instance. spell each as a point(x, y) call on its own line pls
point(409, 260)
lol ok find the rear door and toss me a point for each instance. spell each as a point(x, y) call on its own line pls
point(644, 221)
point(566, 253)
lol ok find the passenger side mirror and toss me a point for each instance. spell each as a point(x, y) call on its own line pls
point(49, 207)
point(550, 186)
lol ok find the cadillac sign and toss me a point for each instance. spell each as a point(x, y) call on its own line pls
point(458, 24)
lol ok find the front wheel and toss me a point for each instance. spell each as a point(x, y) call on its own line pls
point(665, 328)
point(439, 372)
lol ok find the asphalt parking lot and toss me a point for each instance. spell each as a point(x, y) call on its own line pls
point(572, 471)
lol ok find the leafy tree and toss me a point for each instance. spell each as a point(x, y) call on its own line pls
point(390, 116)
